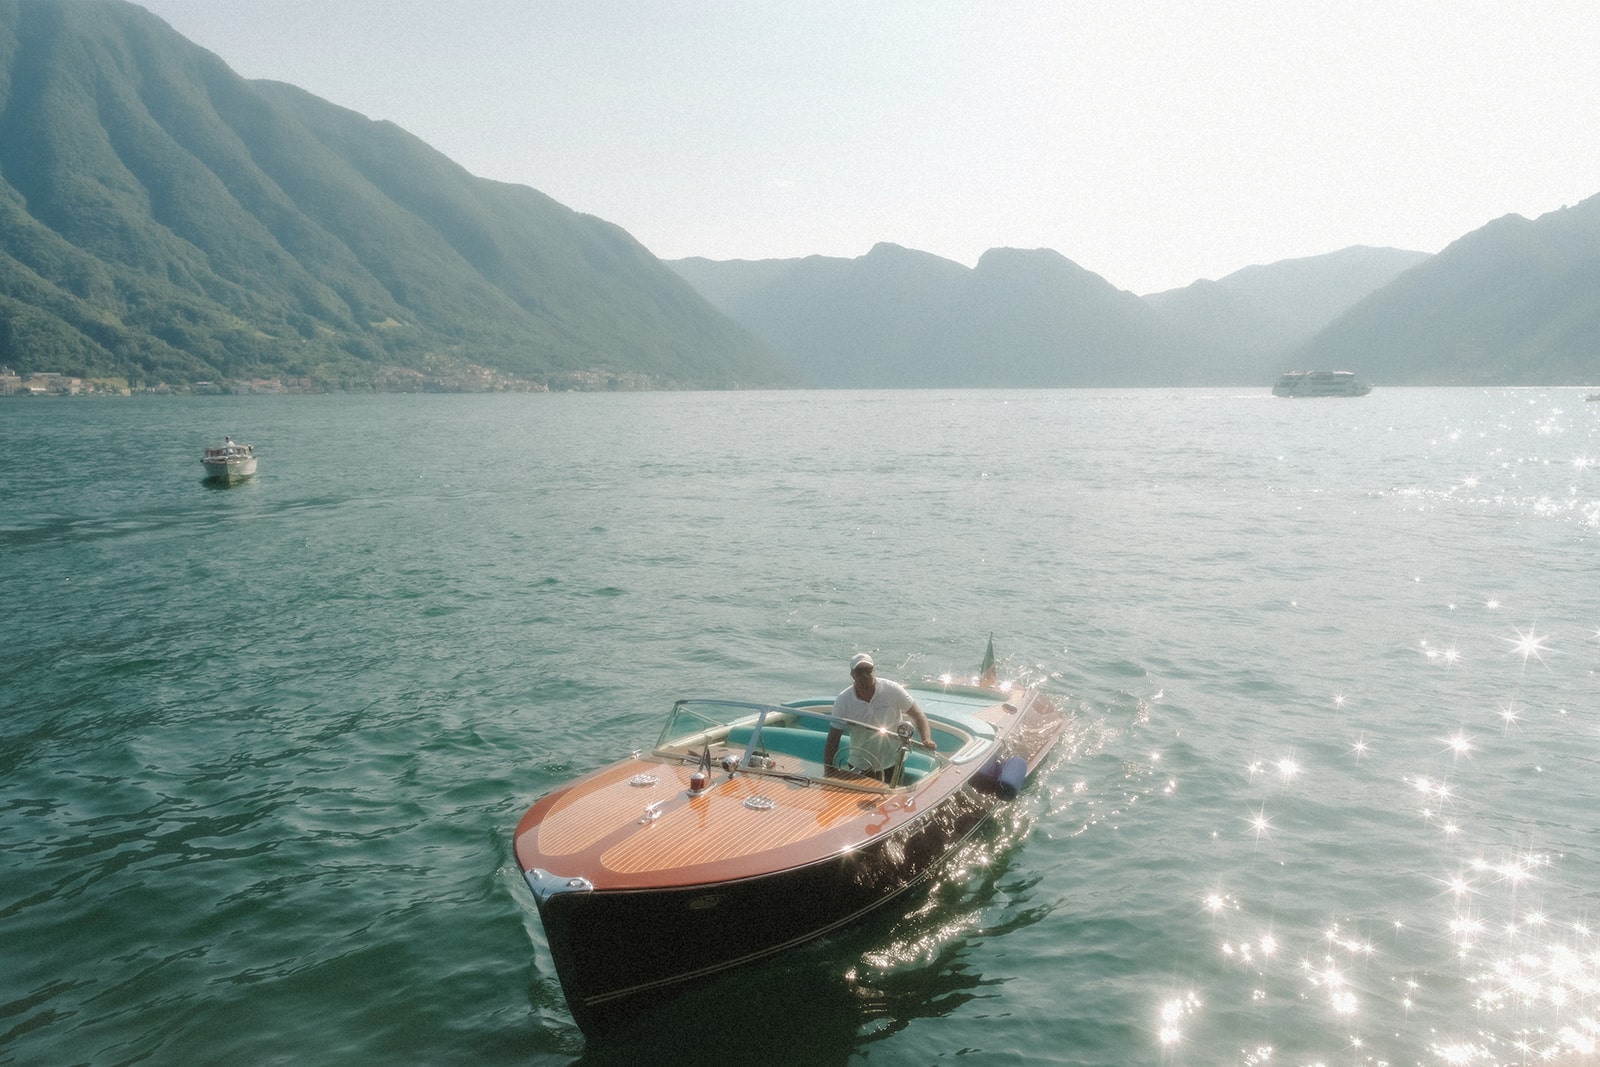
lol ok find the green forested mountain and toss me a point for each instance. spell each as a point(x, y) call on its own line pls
point(1516, 302)
point(162, 219)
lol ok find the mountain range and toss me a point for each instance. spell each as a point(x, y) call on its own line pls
point(1033, 318)
point(163, 220)
point(1246, 327)
point(1516, 302)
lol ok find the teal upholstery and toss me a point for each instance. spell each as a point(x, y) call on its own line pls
point(808, 745)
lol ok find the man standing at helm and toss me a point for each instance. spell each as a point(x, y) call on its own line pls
point(872, 708)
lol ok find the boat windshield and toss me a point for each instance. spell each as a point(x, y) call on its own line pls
point(784, 740)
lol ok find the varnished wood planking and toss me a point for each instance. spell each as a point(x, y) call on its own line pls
point(681, 837)
point(591, 811)
point(997, 714)
point(595, 810)
point(606, 817)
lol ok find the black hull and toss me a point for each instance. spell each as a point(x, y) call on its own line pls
point(620, 952)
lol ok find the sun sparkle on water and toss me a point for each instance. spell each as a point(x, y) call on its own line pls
point(1460, 744)
point(1260, 825)
point(1528, 645)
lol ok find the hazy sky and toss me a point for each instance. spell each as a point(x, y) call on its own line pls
point(1153, 143)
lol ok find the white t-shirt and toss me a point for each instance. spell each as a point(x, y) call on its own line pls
point(874, 749)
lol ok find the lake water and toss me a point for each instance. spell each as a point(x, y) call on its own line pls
point(1329, 794)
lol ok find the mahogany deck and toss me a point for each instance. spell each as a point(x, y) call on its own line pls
point(625, 835)
point(603, 827)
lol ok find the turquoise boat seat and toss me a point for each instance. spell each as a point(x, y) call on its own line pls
point(947, 741)
point(808, 744)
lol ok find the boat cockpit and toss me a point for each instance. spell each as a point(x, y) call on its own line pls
point(789, 740)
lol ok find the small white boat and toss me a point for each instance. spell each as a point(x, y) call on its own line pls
point(229, 462)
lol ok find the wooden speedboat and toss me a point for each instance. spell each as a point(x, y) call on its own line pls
point(229, 461)
point(730, 841)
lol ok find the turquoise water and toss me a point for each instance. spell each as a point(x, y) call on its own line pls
point(1329, 795)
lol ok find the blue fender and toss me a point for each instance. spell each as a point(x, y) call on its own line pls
point(1002, 777)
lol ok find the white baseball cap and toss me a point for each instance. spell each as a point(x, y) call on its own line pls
point(861, 660)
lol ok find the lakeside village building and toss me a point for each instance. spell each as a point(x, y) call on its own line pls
point(49, 383)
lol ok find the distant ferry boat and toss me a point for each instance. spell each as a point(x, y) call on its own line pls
point(1320, 383)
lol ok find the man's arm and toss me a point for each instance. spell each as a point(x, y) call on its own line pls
point(920, 720)
point(830, 749)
